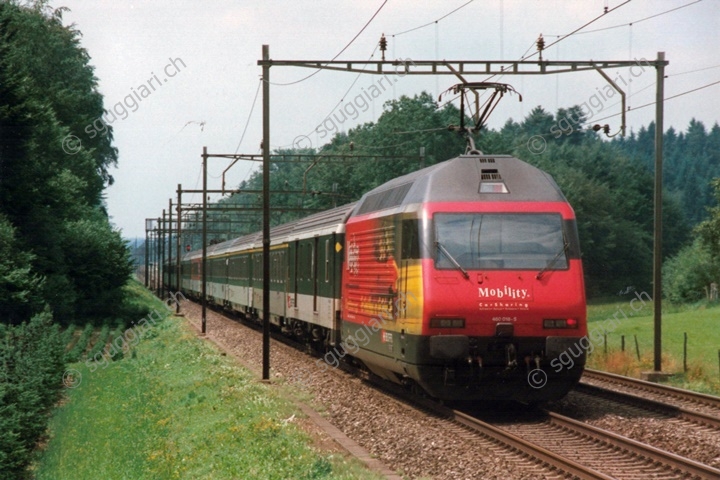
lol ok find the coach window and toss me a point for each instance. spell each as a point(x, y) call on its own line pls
point(244, 268)
point(304, 259)
point(309, 261)
point(257, 267)
point(276, 267)
point(327, 260)
point(299, 262)
point(296, 273)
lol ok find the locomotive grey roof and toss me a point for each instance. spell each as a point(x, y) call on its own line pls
point(459, 179)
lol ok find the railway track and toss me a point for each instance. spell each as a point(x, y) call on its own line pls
point(603, 453)
point(661, 408)
point(649, 418)
point(534, 459)
point(558, 446)
point(697, 407)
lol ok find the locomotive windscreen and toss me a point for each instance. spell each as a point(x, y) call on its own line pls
point(500, 241)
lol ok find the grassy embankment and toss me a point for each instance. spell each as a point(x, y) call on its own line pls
point(701, 321)
point(175, 407)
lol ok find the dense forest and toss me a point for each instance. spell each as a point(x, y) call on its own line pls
point(608, 182)
point(691, 161)
point(61, 261)
point(58, 247)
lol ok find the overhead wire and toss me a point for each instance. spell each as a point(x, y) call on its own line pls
point(577, 31)
point(668, 98)
point(525, 56)
point(579, 28)
point(664, 100)
point(693, 71)
point(672, 97)
point(247, 123)
point(630, 24)
point(342, 99)
point(488, 78)
point(426, 130)
point(426, 25)
point(375, 50)
point(340, 52)
point(247, 174)
point(587, 123)
point(433, 22)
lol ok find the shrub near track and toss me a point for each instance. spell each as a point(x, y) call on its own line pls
point(31, 371)
point(78, 349)
point(177, 408)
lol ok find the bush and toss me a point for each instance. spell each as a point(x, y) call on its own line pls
point(19, 285)
point(31, 372)
point(689, 273)
point(100, 342)
point(75, 354)
point(67, 334)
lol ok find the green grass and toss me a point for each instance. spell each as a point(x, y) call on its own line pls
point(174, 407)
point(701, 321)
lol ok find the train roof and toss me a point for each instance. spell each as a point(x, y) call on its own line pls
point(467, 178)
point(322, 223)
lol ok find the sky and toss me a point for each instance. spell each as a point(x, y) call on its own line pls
point(181, 75)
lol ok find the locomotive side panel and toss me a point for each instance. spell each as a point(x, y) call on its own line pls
point(382, 291)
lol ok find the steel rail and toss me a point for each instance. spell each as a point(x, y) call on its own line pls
point(647, 403)
point(626, 444)
point(540, 453)
point(664, 390)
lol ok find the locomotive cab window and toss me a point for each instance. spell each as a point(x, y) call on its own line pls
point(500, 241)
point(410, 241)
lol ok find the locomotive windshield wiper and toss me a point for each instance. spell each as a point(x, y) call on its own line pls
point(553, 261)
point(452, 260)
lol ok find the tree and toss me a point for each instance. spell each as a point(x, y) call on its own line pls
point(689, 273)
point(48, 181)
point(690, 159)
point(19, 287)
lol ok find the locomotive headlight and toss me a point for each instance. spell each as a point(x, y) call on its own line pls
point(447, 323)
point(560, 323)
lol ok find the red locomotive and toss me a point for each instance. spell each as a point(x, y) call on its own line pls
point(470, 272)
